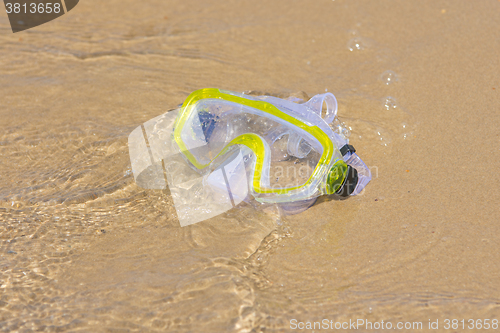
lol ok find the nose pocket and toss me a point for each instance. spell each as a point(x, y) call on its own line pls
point(297, 146)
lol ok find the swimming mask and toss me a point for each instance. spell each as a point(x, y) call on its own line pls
point(221, 148)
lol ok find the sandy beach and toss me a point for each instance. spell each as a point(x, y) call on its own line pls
point(84, 249)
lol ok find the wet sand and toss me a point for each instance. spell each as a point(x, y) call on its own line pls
point(83, 248)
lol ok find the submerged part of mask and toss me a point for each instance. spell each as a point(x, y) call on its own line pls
point(221, 147)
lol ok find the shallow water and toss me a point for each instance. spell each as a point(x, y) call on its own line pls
point(83, 248)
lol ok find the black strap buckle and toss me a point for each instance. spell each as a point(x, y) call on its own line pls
point(346, 149)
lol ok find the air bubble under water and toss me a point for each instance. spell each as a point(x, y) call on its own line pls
point(346, 133)
point(407, 130)
point(389, 77)
point(340, 128)
point(355, 44)
point(390, 103)
point(373, 122)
